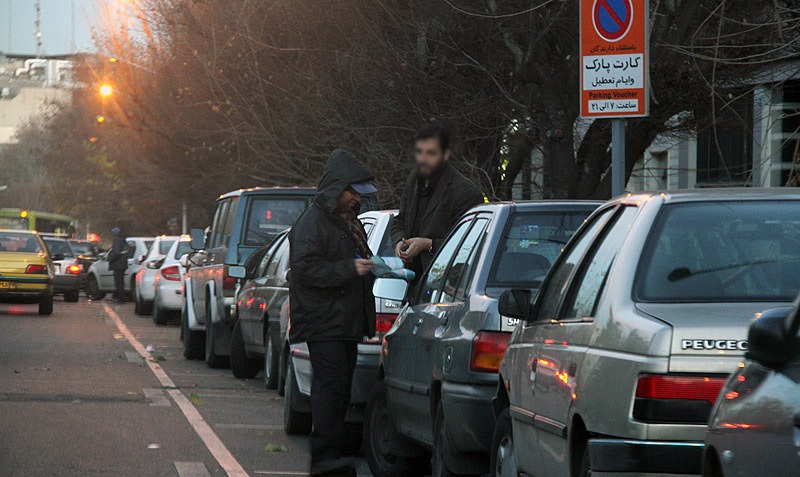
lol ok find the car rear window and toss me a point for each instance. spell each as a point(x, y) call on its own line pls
point(722, 252)
point(268, 217)
point(58, 247)
point(531, 244)
point(84, 248)
point(182, 249)
point(14, 242)
point(164, 246)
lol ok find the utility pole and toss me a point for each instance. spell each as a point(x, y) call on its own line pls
point(184, 221)
point(38, 28)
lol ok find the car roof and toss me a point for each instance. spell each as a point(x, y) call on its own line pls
point(28, 232)
point(51, 238)
point(378, 213)
point(299, 191)
point(715, 194)
point(524, 205)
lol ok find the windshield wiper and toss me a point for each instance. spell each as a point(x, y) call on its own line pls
point(684, 272)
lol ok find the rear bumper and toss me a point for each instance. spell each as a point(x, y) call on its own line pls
point(170, 297)
point(646, 457)
point(26, 289)
point(66, 283)
point(468, 408)
point(365, 376)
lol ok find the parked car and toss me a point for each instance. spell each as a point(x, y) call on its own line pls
point(619, 359)
point(87, 253)
point(100, 279)
point(244, 221)
point(26, 270)
point(67, 268)
point(755, 426)
point(439, 369)
point(146, 276)
point(168, 281)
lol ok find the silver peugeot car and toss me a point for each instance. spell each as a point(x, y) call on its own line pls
point(617, 362)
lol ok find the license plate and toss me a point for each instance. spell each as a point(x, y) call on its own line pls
point(7, 285)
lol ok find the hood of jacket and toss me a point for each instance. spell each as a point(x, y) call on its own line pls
point(341, 170)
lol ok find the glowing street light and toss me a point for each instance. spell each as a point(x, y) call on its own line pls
point(106, 90)
point(100, 118)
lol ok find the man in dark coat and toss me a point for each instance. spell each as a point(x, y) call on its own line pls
point(118, 263)
point(435, 196)
point(332, 306)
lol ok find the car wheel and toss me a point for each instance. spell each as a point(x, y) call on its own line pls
point(242, 366)
point(283, 362)
point(160, 316)
point(193, 341)
point(137, 304)
point(46, 304)
point(212, 359)
point(295, 423)
point(440, 447)
point(378, 437)
point(143, 307)
point(271, 359)
point(504, 457)
point(72, 296)
point(93, 289)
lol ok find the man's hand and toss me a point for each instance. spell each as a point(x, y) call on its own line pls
point(409, 249)
point(363, 266)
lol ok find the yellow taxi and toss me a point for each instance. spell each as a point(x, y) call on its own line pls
point(26, 270)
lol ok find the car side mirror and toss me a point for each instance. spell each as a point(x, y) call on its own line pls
point(515, 304)
point(198, 239)
point(57, 257)
point(142, 258)
point(390, 288)
point(237, 271)
point(288, 274)
point(769, 342)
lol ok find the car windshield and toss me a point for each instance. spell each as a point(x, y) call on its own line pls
point(268, 217)
point(182, 249)
point(722, 252)
point(84, 248)
point(164, 246)
point(530, 246)
point(58, 247)
point(15, 242)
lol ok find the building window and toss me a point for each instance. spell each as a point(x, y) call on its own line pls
point(790, 134)
point(725, 152)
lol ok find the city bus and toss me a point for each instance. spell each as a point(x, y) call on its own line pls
point(44, 222)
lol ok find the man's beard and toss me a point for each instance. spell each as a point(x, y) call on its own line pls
point(432, 173)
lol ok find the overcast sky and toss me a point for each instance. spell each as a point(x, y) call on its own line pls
point(17, 26)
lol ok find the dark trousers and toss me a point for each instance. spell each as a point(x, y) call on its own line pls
point(333, 363)
point(119, 285)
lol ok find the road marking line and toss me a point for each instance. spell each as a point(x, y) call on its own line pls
point(191, 469)
point(257, 427)
point(213, 443)
point(156, 397)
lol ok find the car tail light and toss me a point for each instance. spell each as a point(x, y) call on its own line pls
point(36, 269)
point(74, 269)
point(384, 322)
point(665, 398)
point(488, 348)
point(228, 282)
point(171, 273)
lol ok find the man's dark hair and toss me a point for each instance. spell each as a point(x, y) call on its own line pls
point(435, 130)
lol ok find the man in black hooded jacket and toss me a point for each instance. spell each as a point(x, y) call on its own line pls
point(332, 306)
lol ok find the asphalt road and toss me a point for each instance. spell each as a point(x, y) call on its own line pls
point(78, 399)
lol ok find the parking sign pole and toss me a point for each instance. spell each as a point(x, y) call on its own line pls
point(617, 156)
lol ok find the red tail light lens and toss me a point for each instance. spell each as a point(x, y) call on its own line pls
point(694, 388)
point(36, 269)
point(663, 399)
point(171, 273)
point(488, 348)
point(228, 282)
point(384, 322)
point(74, 269)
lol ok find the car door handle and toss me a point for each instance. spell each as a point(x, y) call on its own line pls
point(417, 325)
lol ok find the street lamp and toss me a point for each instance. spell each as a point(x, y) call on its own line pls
point(106, 90)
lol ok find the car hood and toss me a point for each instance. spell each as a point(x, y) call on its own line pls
point(17, 262)
point(707, 337)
